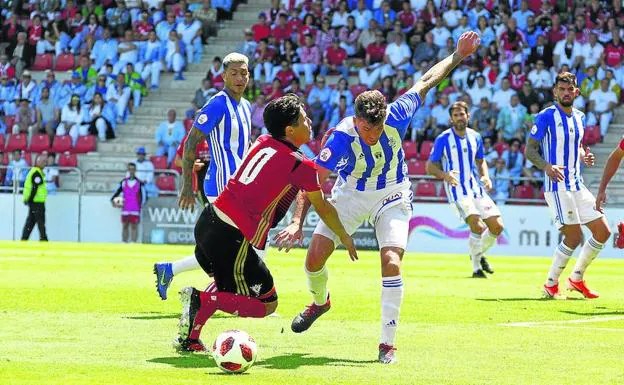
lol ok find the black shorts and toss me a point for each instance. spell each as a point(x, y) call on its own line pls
point(223, 251)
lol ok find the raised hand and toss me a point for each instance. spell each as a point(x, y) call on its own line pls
point(468, 43)
point(288, 236)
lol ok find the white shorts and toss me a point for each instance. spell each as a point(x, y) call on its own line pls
point(388, 210)
point(483, 207)
point(572, 207)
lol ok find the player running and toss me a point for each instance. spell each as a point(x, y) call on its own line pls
point(256, 198)
point(225, 122)
point(613, 163)
point(365, 150)
point(557, 133)
point(457, 158)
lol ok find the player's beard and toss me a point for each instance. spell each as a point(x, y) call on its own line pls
point(565, 103)
point(460, 126)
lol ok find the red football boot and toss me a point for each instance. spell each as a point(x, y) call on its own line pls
point(581, 288)
point(551, 291)
point(619, 242)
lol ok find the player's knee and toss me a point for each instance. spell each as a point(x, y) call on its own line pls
point(496, 228)
point(391, 268)
point(573, 239)
point(602, 235)
point(391, 261)
point(476, 224)
point(270, 307)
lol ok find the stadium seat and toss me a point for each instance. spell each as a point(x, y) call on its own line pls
point(500, 147)
point(39, 143)
point(9, 120)
point(42, 62)
point(425, 189)
point(159, 162)
point(166, 182)
point(442, 192)
point(327, 186)
point(61, 144)
point(591, 135)
point(357, 89)
point(5, 159)
point(416, 167)
point(524, 192)
point(411, 149)
point(85, 144)
point(1, 143)
point(188, 124)
point(64, 62)
point(28, 157)
point(425, 150)
point(68, 159)
point(16, 142)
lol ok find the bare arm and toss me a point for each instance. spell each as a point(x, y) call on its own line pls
point(532, 153)
point(484, 172)
point(466, 46)
point(435, 169)
point(613, 163)
point(187, 198)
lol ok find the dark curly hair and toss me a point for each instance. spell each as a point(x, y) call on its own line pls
point(371, 106)
point(281, 113)
point(459, 106)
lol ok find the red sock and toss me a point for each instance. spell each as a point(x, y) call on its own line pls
point(240, 305)
point(206, 310)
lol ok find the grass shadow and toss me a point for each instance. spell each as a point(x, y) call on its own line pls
point(617, 312)
point(186, 361)
point(296, 360)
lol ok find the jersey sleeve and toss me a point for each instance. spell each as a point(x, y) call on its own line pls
point(538, 131)
point(401, 111)
point(438, 149)
point(479, 154)
point(335, 149)
point(210, 115)
point(305, 176)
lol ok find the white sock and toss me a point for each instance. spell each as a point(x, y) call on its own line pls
point(185, 264)
point(589, 252)
point(391, 297)
point(559, 262)
point(475, 245)
point(317, 284)
point(487, 240)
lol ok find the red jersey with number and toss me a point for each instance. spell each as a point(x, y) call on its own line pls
point(258, 196)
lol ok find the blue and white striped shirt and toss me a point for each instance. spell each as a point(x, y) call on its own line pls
point(227, 126)
point(459, 154)
point(370, 168)
point(560, 135)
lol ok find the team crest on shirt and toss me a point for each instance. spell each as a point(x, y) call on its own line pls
point(325, 154)
point(534, 130)
point(256, 288)
point(202, 119)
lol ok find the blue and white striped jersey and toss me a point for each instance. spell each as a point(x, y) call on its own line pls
point(459, 154)
point(560, 135)
point(227, 126)
point(370, 168)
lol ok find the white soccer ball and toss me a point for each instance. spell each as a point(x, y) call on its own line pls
point(234, 351)
point(118, 201)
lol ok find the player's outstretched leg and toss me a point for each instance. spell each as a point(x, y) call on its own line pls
point(391, 296)
point(165, 271)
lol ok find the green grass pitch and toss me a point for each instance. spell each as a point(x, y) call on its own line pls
point(89, 314)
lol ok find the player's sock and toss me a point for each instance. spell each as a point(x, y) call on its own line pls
point(391, 297)
point(237, 304)
point(185, 264)
point(317, 284)
point(589, 252)
point(559, 262)
point(487, 240)
point(208, 306)
point(475, 245)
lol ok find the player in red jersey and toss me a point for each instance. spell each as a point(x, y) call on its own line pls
point(254, 200)
point(613, 163)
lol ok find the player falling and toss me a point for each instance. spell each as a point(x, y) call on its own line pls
point(225, 123)
point(457, 158)
point(254, 199)
point(613, 163)
point(557, 133)
point(365, 151)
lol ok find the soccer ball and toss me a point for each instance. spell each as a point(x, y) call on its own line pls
point(234, 351)
point(118, 201)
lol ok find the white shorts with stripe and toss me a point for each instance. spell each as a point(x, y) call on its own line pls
point(483, 207)
point(572, 207)
point(388, 210)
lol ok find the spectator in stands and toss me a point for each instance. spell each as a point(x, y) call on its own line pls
point(263, 59)
point(605, 102)
point(502, 97)
point(45, 45)
point(274, 91)
point(51, 173)
point(261, 30)
point(118, 94)
point(348, 36)
point(133, 197)
point(341, 111)
point(257, 113)
point(484, 119)
point(334, 59)
point(284, 73)
point(73, 119)
point(190, 32)
point(118, 18)
point(514, 160)
point(568, 51)
point(7, 96)
point(385, 16)
point(104, 50)
point(440, 33)
point(516, 77)
point(387, 89)
point(541, 79)
point(500, 176)
point(88, 74)
point(420, 126)
point(490, 155)
point(35, 31)
point(362, 15)
point(47, 114)
point(21, 52)
point(136, 83)
point(6, 68)
point(25, 119)
point(26, 88)
point(174, 58)
point(397, 56)
point(591, 52)
point(248, 46)
point(11, 28)
point(542, 51)
point(528, 96)
point(510, 120)
point(368, 36)
point(128, 52)
point(151, 61)
point(614, 51)
point(145, 173)
point(440, 118)
point(479, 91)
point(208, 18)
point(51, 84)
point(101, 118)
point(224, 9)
point(318, 102)
point(204, 93)
point(373, 61)
point(613, 83)
point(99, 86)
point(168, 136)
point(339, 18)
point(18, 169)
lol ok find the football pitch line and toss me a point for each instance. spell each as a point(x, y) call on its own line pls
point(565, 324)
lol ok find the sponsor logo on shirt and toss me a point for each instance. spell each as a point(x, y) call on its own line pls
point(202, 119)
